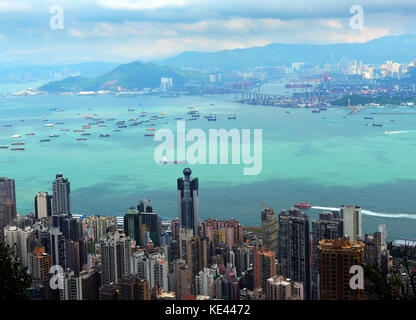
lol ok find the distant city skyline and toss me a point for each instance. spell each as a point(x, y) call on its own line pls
point(128, 30)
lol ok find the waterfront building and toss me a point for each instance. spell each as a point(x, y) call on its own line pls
point(269, 227)
point(7, 201)
point(352, 222)
point(61, 196)
point(43, 205)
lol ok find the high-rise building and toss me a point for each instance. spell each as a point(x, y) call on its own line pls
point(264, 267)
point(232, 231)
point(269, 227)
point(383, 232)
point(329, 226)
point(72, 286)
point(188, 202)
point(90, 283)
point(373, 249)
point(280, 288)
point(132, 225)
point(294, 247)
point(7, 201)
point(43, 205)
point(61, 196)
point(352, 222)
point(150, 222)
point(133, 288)
point(40, 263)
point(336, 257)
point(182, 279)
point(115, 258)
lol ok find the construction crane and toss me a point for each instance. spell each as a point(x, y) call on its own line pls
point(265, 207)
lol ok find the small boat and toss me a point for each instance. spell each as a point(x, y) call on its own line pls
point(30, 134)
point(45, 140)
point(85, 134)
point(130, 109)
point(7, 125)
point(49, 125)
point(64, 130)
point(368, 118)
point(213, 119)
point(60, 123)
point(116, 130)
point(53, 135)
point(302, 205)
point(377, 125)
point(232, 117)
point(149, 135)
point(315, 111)
point(104, 135)
point(122, 126)
point(178, 118)
point(81, 139)
point(102, 125)
point(16, 136)
point(150, 129)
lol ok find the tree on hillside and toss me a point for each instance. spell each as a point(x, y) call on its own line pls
point(14, 281)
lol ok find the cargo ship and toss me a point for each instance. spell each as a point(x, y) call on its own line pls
point(17, 149)
point(45, 140)
point(18, 144)
point(4, 147)
point(302, 205)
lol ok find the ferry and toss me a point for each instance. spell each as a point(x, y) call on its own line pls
point(16, 136)
point(302, 205)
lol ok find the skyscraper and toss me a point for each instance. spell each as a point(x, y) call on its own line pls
point(7, 201)
point(132, 225)
point(150, 222)
point(336, 257)
point(294, 247)
point(43, 205)
point(188, 202)
point(264, 267)
point(115, 258)
point(352, 222)
point(61, 196)
point(329, 226)
point(269, 227)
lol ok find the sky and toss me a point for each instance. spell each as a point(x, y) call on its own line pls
point(126, 30)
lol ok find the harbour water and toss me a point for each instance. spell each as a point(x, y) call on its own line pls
point(320, 158)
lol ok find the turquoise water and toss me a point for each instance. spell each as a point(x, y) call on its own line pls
point(321, 158)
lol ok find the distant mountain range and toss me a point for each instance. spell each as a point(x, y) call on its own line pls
point(135, 75)
point(20, 72)
point(396, 48)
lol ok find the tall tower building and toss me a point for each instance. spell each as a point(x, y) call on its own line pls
point(182, 279)
point(61, 196)
point(383, 233)
point(329, 226)
point(294, 247)
point(7, 201)
point(264, 267)
point(115, 258)
point(132, 225)
point(188, 202)
point(352, 222)
point(336, 257)
point(43, 205)
point(269, 226)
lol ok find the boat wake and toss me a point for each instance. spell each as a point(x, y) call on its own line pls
point(375, 214)
point(396, 132)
